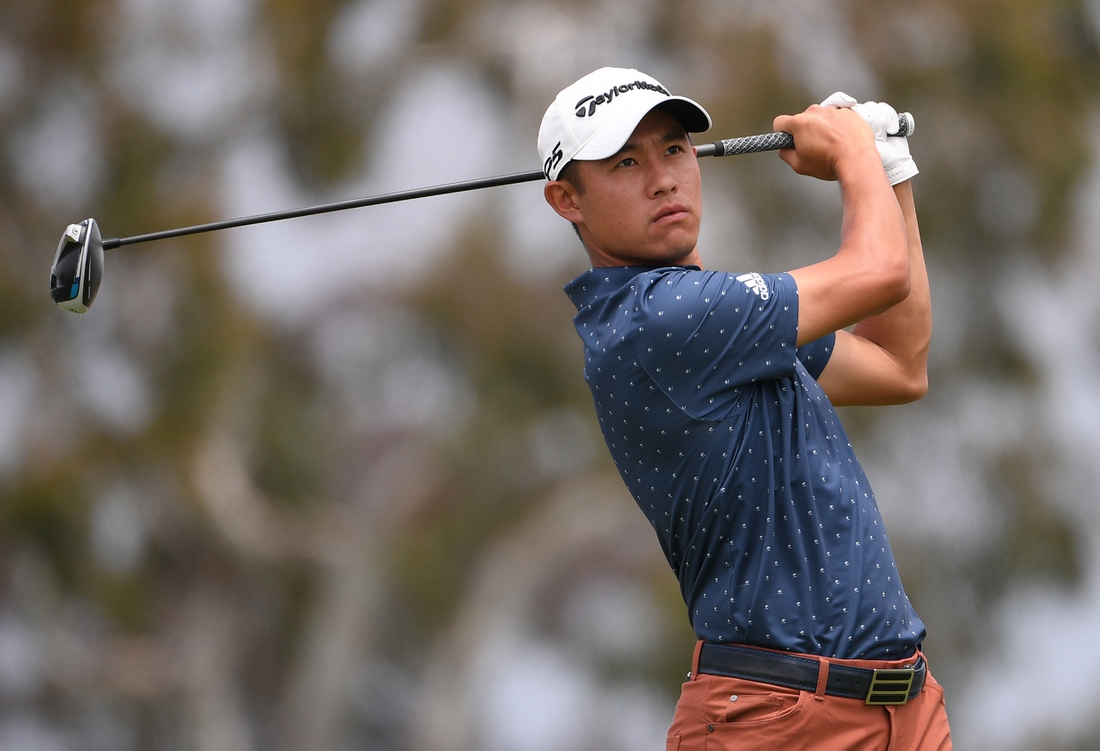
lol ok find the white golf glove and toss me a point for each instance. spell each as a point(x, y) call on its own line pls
point(883, 119)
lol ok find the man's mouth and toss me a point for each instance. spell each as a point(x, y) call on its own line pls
point(671, 213)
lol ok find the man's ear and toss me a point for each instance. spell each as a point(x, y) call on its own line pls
point(562, 198)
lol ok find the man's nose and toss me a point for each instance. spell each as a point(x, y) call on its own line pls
point(661, 180)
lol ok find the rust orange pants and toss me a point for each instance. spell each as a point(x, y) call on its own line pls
point(716, 713)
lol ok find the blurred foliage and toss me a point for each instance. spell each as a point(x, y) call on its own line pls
point(320, 124)
point(510, 341)
point(1002, 91)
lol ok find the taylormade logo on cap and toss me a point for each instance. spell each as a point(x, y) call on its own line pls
point(593, 118)
point(599, 99)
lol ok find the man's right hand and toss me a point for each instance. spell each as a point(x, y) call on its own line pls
point(830, 143)
point(883, 119)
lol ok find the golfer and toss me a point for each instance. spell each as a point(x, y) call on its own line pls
point(715, 392)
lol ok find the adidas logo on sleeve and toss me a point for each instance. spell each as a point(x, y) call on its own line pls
point(756, 283)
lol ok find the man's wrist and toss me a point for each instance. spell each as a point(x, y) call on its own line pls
point(857, 163)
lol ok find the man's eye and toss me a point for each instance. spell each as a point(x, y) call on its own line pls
point(628, 162)
point(676, 149)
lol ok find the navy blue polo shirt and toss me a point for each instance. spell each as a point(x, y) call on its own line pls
point(731, 449)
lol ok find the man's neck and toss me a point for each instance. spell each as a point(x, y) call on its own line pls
point(600, 260)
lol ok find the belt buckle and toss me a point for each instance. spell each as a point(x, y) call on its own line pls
point(890, 686)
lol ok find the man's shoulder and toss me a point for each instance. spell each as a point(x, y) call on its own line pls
point(714, 291)
point(684, 292)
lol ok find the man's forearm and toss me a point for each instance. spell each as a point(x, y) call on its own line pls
point(905, 330)
point(870, 272)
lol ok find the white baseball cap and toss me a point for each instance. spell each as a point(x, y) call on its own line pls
point(594, 117)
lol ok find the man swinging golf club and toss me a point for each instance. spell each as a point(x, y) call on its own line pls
point(715, 392)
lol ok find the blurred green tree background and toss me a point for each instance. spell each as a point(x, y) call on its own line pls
point(336, 483)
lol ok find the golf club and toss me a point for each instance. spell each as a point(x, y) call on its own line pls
point(78, 264)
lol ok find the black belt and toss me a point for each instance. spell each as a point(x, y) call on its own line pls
point(878, 687)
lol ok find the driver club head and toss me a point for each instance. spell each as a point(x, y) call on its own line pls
point(77, 267)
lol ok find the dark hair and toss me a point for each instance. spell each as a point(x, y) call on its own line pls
point(571, 175)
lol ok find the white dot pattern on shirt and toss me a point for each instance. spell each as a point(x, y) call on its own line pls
point(681, 484)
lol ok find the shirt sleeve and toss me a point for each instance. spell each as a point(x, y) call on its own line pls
point(703, 336)
point(815, 355)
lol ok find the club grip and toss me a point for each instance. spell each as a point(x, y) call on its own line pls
point(906, 124)
point(779, 140)
point(747, 144)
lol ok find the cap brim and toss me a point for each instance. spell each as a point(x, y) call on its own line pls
point(610, 139)
point(693, 117)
